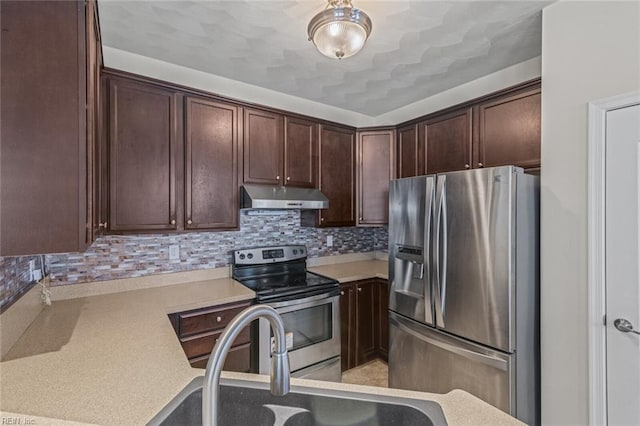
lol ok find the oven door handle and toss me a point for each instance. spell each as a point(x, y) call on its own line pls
point(293, 302)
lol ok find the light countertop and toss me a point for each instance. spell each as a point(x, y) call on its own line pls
point(115, 358)
point(354, 271)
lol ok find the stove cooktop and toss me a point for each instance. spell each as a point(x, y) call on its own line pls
point(279, 273)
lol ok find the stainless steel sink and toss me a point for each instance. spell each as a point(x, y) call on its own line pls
point(250, 403)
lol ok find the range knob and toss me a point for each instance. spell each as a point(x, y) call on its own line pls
point(250, 256)
point(242, 257)
point(295, 251)
point(301, 251)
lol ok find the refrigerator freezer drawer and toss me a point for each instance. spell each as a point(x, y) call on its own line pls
point(423, 359)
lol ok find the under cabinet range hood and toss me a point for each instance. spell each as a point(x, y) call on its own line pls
point(282, 197)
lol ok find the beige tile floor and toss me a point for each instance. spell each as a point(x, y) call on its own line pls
point(373, 373)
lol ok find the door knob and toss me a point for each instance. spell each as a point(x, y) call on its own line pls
point(625, 326)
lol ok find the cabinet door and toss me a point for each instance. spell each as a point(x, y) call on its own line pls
point(142, 141)
point(263, 147)
point(447, 141)
point(94, 159)
point(211, 165)
point(410, 152)
point(366, 321)
point(347, 326)
point(509, 131)
point(300, 152)
point(43, 179)
point(375, 170)
point(337, 175)
point(383, 295)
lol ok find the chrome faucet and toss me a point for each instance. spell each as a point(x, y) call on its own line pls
point(279, 359)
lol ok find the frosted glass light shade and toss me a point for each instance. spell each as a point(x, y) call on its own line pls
point(339, 32)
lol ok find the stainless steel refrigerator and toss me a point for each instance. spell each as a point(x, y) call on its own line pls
point(464, 292)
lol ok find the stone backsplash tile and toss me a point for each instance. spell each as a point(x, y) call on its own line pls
point(381, 239)
point(14, 278)
point(116, 256)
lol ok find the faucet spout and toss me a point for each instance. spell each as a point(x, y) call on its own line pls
point(280, 382)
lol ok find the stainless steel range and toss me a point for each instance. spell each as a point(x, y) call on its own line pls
point(308, 304)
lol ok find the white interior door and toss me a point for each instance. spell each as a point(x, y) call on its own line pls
point(622, 229)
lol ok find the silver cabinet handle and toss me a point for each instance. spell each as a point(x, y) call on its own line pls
point(173, 221)
point(480, 165)
point(288, 178)
point(625, 326)
point(102, 225)
point(189, 222)
point(278, 177)
point(218, 319)
point(360, 289)
point(466, 166)
point(342, 293)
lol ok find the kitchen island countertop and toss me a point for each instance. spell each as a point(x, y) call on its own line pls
point(115, 358)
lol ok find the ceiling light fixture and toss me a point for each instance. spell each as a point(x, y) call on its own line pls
point(339, 31)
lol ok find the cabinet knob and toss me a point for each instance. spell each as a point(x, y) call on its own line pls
point(480, 165)
point(189, 222)
point(278, 177)
point(102, 225)
point(360, 289)
point(218, 319)
point(322, 219)
point(288, 178)
point(342, 293)
point(361, 219)
point(466, 166)
point(173, 221)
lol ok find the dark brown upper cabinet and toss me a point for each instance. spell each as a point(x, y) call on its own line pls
point(337, 176)
point(142, 150)
point(376, 167)
point(48, 59)
point(410, 152)
point(263, 147)
point(300, 152)
point(212, 164)
point(509, 131)
point(447, 139)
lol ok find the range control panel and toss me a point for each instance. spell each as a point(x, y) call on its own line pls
point(259, 255)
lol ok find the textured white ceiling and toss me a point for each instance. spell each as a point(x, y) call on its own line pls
point(416, 49)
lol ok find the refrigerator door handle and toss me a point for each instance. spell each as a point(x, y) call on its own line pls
point(444, 255)
point(497, 362)
point(428, 292)
point(437, 276)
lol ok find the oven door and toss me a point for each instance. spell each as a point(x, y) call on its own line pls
point(313, 332)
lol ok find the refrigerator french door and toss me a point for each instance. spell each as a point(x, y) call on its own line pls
point(480, 263)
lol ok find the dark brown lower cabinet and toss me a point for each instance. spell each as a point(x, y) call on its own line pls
point(364, 321)
point(383, 306)
point(200, 329)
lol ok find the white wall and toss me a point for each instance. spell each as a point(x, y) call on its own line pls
point(590, 50)
point(510, 76)
point(137, 64)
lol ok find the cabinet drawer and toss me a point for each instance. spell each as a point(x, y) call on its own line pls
point(209, 319)
point(202, 344)
point(238, 359)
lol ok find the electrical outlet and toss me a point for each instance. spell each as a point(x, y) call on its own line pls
point(329, 240)
point(174, 252)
